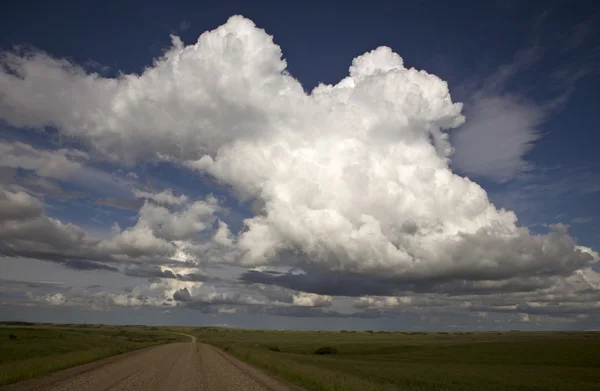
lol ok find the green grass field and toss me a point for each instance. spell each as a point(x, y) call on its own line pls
point(419, 361)
point(363, 361)
point(39, 350)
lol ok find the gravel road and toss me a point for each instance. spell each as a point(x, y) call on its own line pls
point(172, 367)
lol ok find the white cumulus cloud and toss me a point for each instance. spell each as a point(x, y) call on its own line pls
point(304, 299)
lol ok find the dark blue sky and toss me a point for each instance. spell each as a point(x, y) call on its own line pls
point(450, 39)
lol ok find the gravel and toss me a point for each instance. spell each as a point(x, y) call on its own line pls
point(173, 367)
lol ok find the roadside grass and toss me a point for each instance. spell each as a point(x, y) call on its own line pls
point(419, 361)
point(43, 349)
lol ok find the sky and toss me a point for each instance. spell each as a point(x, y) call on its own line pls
point(415, 166)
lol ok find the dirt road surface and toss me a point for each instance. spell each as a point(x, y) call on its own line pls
point(173, 367)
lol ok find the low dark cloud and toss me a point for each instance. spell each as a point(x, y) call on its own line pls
point(309, 312)
point(153, 272)
point(149, 272)
point(71, 261)
point(342, 284)
point(466, 287)
point(196, 277)
point(82, 264)
point(31, 284)
point(133, 204)
point(216, 299)
point(324, 283)
point(182, 295)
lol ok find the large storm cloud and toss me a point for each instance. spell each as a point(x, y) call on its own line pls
point(352, 178)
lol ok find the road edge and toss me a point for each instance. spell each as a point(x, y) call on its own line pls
point(259, 374)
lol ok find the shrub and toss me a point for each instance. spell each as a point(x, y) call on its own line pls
point(274, 348)
point(326, 350)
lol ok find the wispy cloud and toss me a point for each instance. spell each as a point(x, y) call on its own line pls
point(576, 37)
point(181, 27)
point(503, 124)
point(184, 25)
point(582, 220)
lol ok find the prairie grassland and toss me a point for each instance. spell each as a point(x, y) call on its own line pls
point(419, 361)
point(41, 349)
